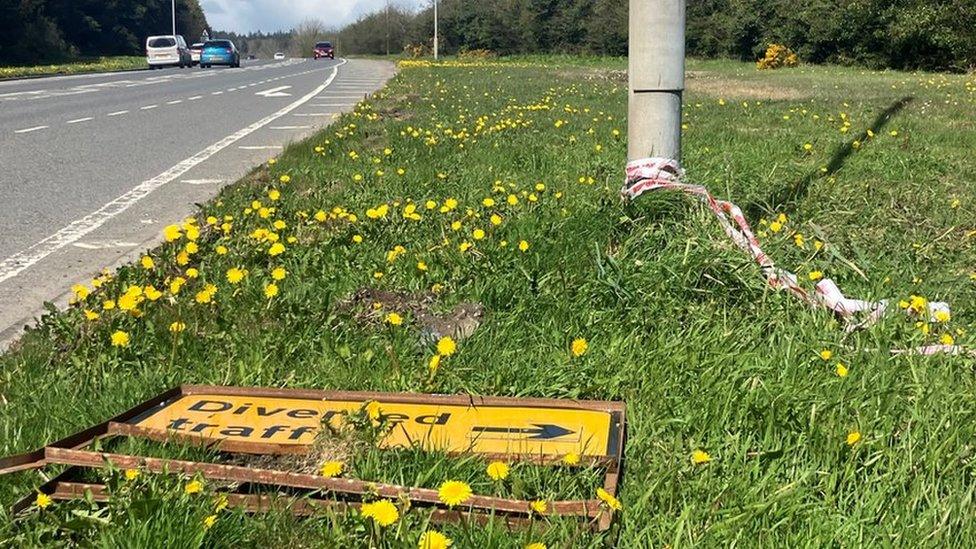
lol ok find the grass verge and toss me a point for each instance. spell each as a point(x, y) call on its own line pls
point(496, 183)
point(95, 64)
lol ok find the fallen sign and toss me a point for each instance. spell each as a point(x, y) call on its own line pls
point(287, 421)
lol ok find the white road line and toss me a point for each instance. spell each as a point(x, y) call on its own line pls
point(216, 93)
point(34, 129)
point(17, 263)
point(177, 102)
point(289, 127)
point(116, 113)
point(201, 181)
point(147, 107)
point(104, 244)
point(258, 147)
point(195, 97)
point(77, 120)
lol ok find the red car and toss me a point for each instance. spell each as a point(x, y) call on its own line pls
point(323, 49)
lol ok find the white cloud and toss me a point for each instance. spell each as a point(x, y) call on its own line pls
point(274, 15)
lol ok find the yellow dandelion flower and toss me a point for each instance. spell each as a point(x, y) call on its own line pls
point(571, 459)
point(853, 438)
point(947, 339)
point(446, 346)
point(276, 249)
point(331, 469)
point(209, 522)
point(496, 219)
point(193, 487)
point(497, 470)
point(539, 506)
point(942, 316)
point(394, 319)
point(478, 234)
point(120, 339)
point(177, 327)
point(523, 245)
point(536, 545)
point(270, 290)
point(454, 492)
point(357, 238)
point(235, 275)
point(699, 457)
point(826, 354)
point(131, 474)
point(279, 273)
point(172, 233)
point(42, 501)
point(432, 539)
point(434, 364)
point(382, 512)
point(147, 262)
point(91, 315)
point(579, 346)
point(815, 275)
point(285, 179)
point(841, 370)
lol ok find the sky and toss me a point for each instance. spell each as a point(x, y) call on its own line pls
point(243, 16)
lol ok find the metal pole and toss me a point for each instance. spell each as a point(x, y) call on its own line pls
point(657, 78)
point(174, 17)
point(435, 30)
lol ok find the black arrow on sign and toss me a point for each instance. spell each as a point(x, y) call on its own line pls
point(541, 431)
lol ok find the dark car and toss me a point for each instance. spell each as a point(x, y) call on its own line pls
point(219, 52)
point(324, 49)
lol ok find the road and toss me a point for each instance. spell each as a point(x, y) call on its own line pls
point(94, 166)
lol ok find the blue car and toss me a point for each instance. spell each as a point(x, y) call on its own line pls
point(219, 52)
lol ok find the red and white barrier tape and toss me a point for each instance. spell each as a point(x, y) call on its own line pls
point(655, 174)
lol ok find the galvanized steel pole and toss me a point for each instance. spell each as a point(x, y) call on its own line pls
point(435, 30)
point(657, 78)
point(174, 19)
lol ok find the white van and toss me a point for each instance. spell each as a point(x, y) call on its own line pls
point(167, 50)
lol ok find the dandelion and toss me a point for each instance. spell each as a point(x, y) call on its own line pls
point(815, 275)
point(776, 226)
point(235, 275)
point(209, 522)
point(274, 194)
point(276, 249)
point(373, 410)
point(523, 245)
point(147, 262)
point(497, 470)
point(42, 501)
point(270, 290)
point(80, 291)
point(421, 266)
point(464, 246)
point(841, 370)
point(120, 339)
point(478, 234)
point(942, 316)
point(91, 315)
point(699, 457)
point(383, 512)
point(808, 147)
point(536, 545)
point(446, 346)
point(434, 364)
point(571, 459)
point(607, 498)
point(331, 469)
point(285, 179)
point(496, 219)
point(177, 327)
point(826, 354)
point(432, 539)
point(579, 346)
point(221, 250)
point(947, 339)
point(539, 506)
point(193, 487)
point(357, 238)
point(172, 233)
point(853, 438)
point(394, 319)
point(454, 492)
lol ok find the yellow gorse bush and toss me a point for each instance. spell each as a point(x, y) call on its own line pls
point(778, 56)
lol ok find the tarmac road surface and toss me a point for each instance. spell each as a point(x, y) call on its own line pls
point(92, 167)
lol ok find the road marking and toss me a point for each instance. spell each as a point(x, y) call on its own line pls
point(77, 120)
point(195, 97)
point(201, 181)
point(104, 244)
point(147, 107)
point(274, 92)
point(177, 102)
point(116, 113)
point(289, 127)
point(216, 93)
point(258, 147)
point(34, 129)
point(17, 263)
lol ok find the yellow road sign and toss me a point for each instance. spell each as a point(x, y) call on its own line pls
point(439, 423)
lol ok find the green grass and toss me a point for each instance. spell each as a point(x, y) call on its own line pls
point(95, 64)
point(680, 325)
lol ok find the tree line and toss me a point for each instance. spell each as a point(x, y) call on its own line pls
point(38, 31)
point(902, 34)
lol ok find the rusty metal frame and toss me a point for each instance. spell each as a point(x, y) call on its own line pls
point(71, 451)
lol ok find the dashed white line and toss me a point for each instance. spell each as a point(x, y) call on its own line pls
point(258, 147)
point(195, 97)
point(147, 107)
point(67, 235)
point(201, 181)
point(217, 93)
point(117, 113)
point(177, 102)
point(77, 120)
point(34, 129)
